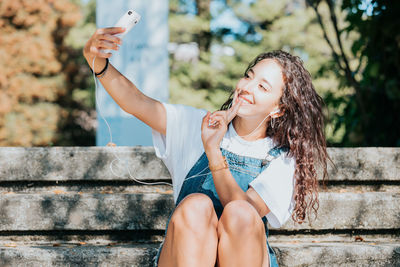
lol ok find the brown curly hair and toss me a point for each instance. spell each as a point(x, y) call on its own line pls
point(300, 128)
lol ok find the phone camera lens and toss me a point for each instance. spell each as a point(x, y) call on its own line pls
point(129, 12)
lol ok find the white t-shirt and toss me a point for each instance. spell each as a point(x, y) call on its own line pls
point(182, 147)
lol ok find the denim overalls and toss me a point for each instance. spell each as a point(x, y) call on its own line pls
point(243, 169)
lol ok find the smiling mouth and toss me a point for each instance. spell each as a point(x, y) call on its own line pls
point(245, 99)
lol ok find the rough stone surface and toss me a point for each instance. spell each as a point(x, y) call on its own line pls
point(294, 255)
point(80, 163)
point(24, 212)
point(42, 221)
point(338, 254)
point(151, 211)
point(354, 211)
point(93, 163)
point(365, 163)
point(63, 256)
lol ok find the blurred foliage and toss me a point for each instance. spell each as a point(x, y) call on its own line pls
point(288, 25)
point(351, 48)
point(370, 65)
point(40, 102)
point(364, 42)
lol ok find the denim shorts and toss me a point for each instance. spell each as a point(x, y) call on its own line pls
point(243, 169)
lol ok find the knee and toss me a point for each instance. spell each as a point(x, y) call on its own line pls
point(239, 216)
point(195, 212)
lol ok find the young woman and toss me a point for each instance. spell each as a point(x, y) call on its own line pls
point(233, 170)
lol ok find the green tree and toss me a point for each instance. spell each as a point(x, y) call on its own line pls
point(80, 125)
point(197, 83)
point(370, 117)
point(32, 77)
point(47, 89)
point(288, 25)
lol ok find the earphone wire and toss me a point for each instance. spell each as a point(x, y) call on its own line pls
point(230, 105)
point(115, 155)
point(256, 127)
point(238, 168)
point(117, 158)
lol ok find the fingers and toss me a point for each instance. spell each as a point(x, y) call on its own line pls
point(110, 30)
point(102, 39)
point(235, 96)
point(206, 118)
point(212, 119)
point(106, 45)
point(231, 113)
point(108, 34)
point(99, 52)
point(217, 118)
point(110, 38)
point(217, 121)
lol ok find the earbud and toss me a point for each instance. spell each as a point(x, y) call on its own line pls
point(276, 111)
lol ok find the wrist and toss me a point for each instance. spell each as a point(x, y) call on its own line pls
point(98, 64)
point(214, 157)
point(213, 153)
point(218, 164)
point(103, 71)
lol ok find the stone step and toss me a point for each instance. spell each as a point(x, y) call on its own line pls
point(79, 163)
point(93, 163)
point(293, 255)
point(117, 211)
point(122, 187)
point(101, 237)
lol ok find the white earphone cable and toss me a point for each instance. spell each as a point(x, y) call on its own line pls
point(126, 164)
point(115, 155)
point(256, 128)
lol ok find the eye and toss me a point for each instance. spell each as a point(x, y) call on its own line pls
point(246, 75)
point(262, 87)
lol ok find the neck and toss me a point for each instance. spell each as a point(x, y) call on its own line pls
point(244, 127)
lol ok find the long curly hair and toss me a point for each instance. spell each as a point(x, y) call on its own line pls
point(300, 128)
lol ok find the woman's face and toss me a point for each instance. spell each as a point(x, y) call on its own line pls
point(261, 89)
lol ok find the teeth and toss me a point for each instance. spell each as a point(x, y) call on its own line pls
point(245, 99)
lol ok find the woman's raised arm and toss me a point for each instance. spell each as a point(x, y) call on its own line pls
point(123, 91)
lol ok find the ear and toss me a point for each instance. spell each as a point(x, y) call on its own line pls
point(279, 111)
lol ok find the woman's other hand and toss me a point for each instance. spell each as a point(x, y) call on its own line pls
point(215, 125)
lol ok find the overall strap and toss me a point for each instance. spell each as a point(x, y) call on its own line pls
point(273, 153)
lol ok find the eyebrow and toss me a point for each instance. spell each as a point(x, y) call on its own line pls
point(263, 79)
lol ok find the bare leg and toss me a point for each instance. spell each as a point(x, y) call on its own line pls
point(191, 238)
point(241, 234)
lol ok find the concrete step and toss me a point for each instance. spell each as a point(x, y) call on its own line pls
point(93, 163)
point(79, 163)
point(118, 237)
point(288, 254)
point(126, 187)
point(63, 206)
point(84, 211)
point(130, 211)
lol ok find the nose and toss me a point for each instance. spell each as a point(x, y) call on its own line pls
point(246, 88)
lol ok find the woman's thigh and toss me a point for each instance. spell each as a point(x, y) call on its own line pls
point(242, 218)
point(195, 213)
point(196, 210)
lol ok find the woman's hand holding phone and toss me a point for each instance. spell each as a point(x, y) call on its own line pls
point(102, 39)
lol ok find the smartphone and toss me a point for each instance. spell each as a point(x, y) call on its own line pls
point(128, 20)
